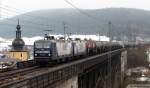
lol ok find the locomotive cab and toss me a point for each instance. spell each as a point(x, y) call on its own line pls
point(44, 51)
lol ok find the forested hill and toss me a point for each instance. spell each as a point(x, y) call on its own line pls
point(124, 21)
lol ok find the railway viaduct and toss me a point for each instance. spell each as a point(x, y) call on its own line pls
point(99, 71)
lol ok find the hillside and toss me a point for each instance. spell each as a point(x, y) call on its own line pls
point(124, 22)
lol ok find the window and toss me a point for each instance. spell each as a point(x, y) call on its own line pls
point(39, 45)
point(46, 45)
point(42, 45)
point(21, 54)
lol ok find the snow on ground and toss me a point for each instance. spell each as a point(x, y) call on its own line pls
point(4, 44)
point(2, 39)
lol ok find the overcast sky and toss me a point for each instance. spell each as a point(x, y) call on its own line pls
point(30, 5)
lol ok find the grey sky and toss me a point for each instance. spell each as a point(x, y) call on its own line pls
point(30, 5)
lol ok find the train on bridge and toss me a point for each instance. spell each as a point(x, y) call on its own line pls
point(51, 50)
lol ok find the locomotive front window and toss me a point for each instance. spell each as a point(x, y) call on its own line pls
point(42, 45)
point(42, 51)
point(46, 45)
point(39, 45)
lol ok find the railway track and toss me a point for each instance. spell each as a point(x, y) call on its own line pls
point(23, 73)
point(20, 74)
point(6, 77)
point(19, 65)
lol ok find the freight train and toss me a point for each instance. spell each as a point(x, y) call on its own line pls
point(51, 50)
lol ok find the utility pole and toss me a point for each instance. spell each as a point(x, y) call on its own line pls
point(46, 34)
point(64, 24)
point(109, 57)
point(69, 34)
point(99, 35)
point(1, 10)
point(49, 29)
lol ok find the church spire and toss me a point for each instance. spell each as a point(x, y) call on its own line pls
point(18, 32)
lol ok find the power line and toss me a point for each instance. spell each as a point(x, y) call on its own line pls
point(8, 12)
point(19, 11)
point(29, 15)
point(12, 21)
point(22, 19)
point(81, 11)
point(9, 9)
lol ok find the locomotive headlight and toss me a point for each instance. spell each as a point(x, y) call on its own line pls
point(35, 54)
point(49, 54)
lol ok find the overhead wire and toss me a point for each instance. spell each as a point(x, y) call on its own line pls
point(17, 11)
point(29, 15)
point(8, 11)
point(81, 11)
point(29, 24)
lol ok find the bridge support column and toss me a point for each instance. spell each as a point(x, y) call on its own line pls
point(123, 66)
point(97, 76)
point(66, 83)
point(94, 77)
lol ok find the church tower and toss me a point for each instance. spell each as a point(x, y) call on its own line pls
point(18, 46)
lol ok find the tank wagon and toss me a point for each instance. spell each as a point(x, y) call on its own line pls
point(51, 50)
